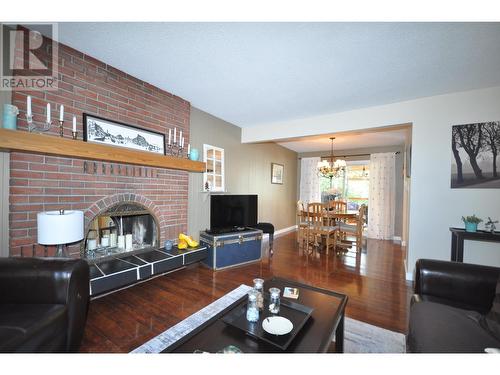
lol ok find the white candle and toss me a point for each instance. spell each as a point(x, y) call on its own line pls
point(105, 242)
point(112, 240)
point(61, 113)
point(128, 242)
point(189, 148)
point(121, 242)
point(175, 134)
point(169, 136)
point(48, 112)
point(28, 100)
point(91, 244)
point(74, 123)
point(180, 137)
point(182, 142)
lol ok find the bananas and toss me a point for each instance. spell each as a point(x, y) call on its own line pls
point(184, 241)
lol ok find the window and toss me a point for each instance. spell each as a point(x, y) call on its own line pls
point(213, 178)
point(354, 186)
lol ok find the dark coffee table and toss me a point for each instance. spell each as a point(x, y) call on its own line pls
point(316, 335)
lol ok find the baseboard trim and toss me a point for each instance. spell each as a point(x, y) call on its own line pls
point(284, 231)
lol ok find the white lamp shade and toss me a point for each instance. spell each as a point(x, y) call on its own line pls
point(55, 228)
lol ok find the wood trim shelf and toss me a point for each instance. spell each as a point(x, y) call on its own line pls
point(17, 140)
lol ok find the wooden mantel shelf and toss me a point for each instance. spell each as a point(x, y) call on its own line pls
point(18, 140)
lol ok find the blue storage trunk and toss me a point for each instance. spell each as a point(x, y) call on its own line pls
point(232, 249)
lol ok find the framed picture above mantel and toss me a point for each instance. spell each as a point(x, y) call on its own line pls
point(113, 133)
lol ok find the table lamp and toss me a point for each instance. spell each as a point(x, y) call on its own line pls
point(60, 228)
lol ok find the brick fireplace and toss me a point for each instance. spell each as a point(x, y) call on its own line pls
point(41, 183)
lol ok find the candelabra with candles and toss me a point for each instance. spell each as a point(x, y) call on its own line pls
point(175, 148)
point(33, 127)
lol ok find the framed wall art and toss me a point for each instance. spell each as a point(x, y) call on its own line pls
point(113, 133)
point(475, 154)
point(277, 173)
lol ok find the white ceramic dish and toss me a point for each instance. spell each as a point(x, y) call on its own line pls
point(277, 325)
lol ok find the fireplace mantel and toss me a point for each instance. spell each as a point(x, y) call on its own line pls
point(18, 140)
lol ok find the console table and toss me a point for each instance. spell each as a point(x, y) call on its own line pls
point(458, 235)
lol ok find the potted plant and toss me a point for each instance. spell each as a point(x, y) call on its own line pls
point(471, 223)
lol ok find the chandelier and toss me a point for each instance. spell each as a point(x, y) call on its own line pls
point(332, 168)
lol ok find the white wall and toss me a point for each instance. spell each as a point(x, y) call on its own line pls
point(434, 206)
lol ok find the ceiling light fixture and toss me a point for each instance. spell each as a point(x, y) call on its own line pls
point(333, 168)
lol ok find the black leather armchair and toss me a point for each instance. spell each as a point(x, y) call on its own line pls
point(448, 305)
point(43, 304)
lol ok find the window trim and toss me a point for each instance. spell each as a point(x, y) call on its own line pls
point(222, 188)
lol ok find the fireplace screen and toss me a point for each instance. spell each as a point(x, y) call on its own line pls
point(123, 228)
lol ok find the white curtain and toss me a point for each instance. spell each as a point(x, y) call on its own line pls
point(381, 203)
point(309, 181)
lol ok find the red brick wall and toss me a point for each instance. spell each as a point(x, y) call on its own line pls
point(40, 183)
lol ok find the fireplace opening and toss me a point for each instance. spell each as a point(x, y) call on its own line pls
point(124, 228)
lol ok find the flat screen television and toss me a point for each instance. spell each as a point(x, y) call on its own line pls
point(230, 213)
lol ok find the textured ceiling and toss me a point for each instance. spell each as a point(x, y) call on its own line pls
point(253, 73)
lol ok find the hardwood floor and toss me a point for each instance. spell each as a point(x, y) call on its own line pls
point(374, 281)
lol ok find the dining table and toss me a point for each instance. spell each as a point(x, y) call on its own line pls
point(343, 215)
point(349, 215)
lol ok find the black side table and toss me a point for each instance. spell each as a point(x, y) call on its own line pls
point(269, 229)
point(458, 235)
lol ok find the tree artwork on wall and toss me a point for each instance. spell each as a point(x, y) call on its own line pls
point(475, 149)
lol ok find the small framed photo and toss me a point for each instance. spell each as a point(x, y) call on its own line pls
point(113, 133)
point(277, 173)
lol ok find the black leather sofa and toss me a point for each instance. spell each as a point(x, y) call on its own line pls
point(43, 304)
point(448, 307)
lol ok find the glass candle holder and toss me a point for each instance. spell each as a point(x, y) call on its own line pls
point(274, 300)
point(258, 286)
point(252, 309)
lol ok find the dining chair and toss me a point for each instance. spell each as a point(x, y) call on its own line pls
point(354, 229)
point(319, 225)
point(303, 223)
point(337, 206)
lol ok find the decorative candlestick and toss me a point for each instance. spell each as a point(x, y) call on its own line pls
point(74, 132)
point(61, 128)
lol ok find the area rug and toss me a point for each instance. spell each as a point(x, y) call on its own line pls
point(359, 337)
